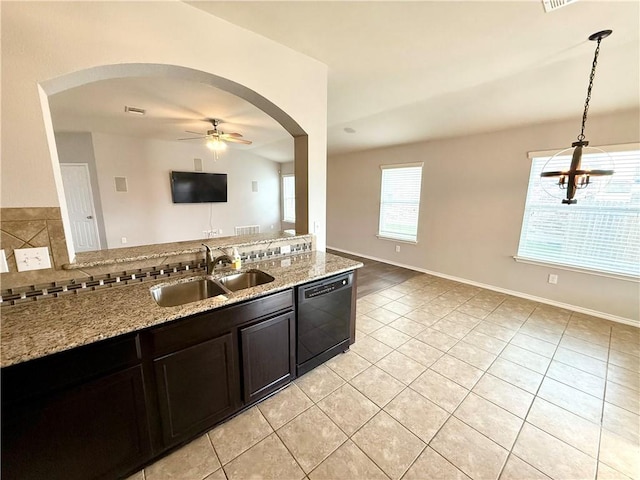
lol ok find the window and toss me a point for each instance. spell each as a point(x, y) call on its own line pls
point(600, 233)
point(289, 198)
point(400, 201)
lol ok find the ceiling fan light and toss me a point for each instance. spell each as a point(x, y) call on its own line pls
point(216, 144)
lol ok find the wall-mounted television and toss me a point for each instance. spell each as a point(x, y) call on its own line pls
point(198, 187)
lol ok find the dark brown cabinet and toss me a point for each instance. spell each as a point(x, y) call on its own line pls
point(197, 387)
point(268, 356)
point(95, 430)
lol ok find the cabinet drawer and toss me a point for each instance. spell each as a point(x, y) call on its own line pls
point(203, 326)
point(67, 368)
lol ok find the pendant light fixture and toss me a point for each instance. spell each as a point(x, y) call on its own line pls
point(577, 177)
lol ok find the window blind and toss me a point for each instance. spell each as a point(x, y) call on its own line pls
point(400, 201)
point(601, 232)
point(289, 198)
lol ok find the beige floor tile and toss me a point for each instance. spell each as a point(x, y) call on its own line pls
point(473, 355)
point(268, 460)
point(311, 437)
point(376, 299)
point(516, 469)
point(284, 406)
point(437, 339)
point(533, 344)
point(377, 385)
point(422, 317)
point(584, 347)
point(391, 294)
point(582, 362)
point(217, 475)
point(371, 349)
point(485, 342)
point(503, 394)
point(605, 472)
point(451, 327)
point(494, 330)
point(505, 319)
point(452, 302)
point(390, 336)
point(541, 333)
point(440, 390)
point(474, 310)
point(623, 397)
point(348, 408)
point(552, 456)
point(433, 466)
point(405, 325)
point(422, 417)
point(624, 377)
point(420, 352)
point(399, 307)
point(392, 446)
point(566, 426)
point(526, 358)
point(195, 460)
point(620, 453)
point(469, 450)
point(621, 422)
point(362, 306)
point(571, 399)
point(460, 372)
point(347, 462)
point(238, 434)
point(382, 315)
point(348, 364)
point(624, 360)
point(496, 423)
point(435, 309)
point(517, 375)
point(588, 335)
point(401, 367)
point(319, 382)
point(368, 325)
point(586, 382)
point(625, 346)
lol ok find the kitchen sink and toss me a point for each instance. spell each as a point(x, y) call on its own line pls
point(198, 288)
point(250, 278)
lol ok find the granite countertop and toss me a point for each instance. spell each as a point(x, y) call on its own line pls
point(130, 254)
point(44, 327)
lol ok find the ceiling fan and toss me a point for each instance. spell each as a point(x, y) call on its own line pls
point(216, 139)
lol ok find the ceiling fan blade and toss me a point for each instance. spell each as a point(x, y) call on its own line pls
point(234, 134)
point(195, 133)
point(236, 140)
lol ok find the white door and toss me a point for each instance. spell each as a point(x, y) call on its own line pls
point(82, 215)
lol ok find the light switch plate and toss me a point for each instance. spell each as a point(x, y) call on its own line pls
point(32, 258)
point(4, 268)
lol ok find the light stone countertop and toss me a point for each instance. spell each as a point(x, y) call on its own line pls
point(43, 327)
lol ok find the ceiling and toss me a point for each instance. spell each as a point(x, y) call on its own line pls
point(403, 72)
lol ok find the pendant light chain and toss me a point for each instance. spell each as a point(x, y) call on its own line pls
point(586, 102)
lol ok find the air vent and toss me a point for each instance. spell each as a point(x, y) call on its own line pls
point(550, 5)
point(134, 110)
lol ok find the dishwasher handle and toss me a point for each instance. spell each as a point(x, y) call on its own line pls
point(326, 287)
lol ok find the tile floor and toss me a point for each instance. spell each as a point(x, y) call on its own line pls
point(445, 381)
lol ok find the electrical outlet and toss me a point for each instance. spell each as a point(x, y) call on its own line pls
point(123, 240)
point(285, 249)
point(397, 248)
point(32, 258)
point(553, 278)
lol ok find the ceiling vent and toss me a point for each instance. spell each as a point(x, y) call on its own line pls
point(551, 5)
point(134, 110)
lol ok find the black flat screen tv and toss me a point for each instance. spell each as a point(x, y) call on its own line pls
point(198, 187)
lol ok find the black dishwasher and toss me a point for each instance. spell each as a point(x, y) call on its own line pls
point(323, 320)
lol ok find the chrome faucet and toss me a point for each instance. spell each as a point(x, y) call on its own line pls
point(212, 261)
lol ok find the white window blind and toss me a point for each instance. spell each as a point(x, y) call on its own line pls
point(400, 201)
point(289, 198)
point(600, 233)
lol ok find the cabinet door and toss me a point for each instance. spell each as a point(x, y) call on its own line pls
point(268, 356)
point(197, 386)
point(97, 430)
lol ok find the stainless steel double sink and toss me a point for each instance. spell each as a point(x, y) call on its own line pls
point(199, 288)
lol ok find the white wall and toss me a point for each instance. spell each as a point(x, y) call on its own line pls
point(472, 203)
point(145, 214)
point(46, 40)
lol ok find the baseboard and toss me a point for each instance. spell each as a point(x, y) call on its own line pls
point(567, 306)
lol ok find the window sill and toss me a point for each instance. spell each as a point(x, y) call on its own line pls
point(617, 276)
point(391, 239)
